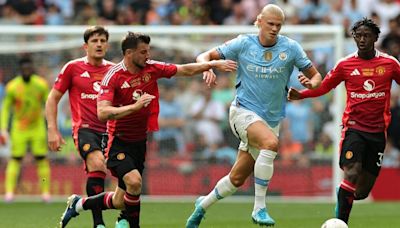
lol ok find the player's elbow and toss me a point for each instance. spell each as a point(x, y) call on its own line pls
point(101, 115)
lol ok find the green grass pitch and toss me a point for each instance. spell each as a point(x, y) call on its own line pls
point(221, 215)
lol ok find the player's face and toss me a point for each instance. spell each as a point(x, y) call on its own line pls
point(365, 39)
point(270, 25)
point(26, 70)
point(96, 46)
point(140, 55)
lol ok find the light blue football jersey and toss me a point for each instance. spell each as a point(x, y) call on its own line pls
point(263, 73)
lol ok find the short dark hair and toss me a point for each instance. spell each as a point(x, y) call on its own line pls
point(95, 30)
point(366, 22)
point(132, 39)
point(25, 60)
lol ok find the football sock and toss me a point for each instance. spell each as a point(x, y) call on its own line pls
point(102, 201)
point(132, 209)
point(263, 170)
point(222, 189)
point(345, 200)
point(12, 172)
point(94, 186)
point(43, 170)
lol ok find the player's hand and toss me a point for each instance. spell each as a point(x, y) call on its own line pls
point(293, 94)
point(224, 65)
point(209, 77)
point(55, 140)
point(144, 100)
point(306, 82)
point(4, 137)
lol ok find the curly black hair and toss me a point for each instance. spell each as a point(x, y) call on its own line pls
point(366, 22)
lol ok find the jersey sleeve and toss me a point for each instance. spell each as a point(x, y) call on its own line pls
point(107, 89)
point(396, 71)
point(332, 79)
point(6, 107)
point(231, 49)
point(64, 79)
point(165, 70)
point(301, 60)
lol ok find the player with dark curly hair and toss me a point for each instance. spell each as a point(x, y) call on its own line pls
point(368, 75)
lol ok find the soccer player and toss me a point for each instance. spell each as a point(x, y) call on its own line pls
point(82, 77)
point(368, 75)
point(265, 63)
point(128, 100)
point(24, 98)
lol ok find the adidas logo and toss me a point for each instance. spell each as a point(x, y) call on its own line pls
point(125, 85)
point(355, 72)
point(85, 75)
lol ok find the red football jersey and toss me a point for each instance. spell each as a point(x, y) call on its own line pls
point(368, 84)
point(121, 88)
point(82, 80)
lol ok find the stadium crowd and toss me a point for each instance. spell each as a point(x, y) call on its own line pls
point(186, 105)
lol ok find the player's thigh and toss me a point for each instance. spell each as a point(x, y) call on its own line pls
point(261, 136)
point(242, 168)
point(241, 119)
point(374, 152)
point(39, 142)
point(352, 151)
point(19, 143)
point(95, 161)
point(88, 141)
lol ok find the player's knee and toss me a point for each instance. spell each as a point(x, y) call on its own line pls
point(361, 195)
point(237, 180)
point(270, 144)
point(133, 183)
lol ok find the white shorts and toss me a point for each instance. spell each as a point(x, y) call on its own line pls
point(239, 120)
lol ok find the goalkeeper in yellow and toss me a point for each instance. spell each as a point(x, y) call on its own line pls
point(24, 101)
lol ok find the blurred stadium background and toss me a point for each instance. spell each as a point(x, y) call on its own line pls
point(185, 160)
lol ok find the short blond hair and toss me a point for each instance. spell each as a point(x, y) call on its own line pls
point(269, 9)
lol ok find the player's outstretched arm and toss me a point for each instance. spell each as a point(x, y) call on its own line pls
point(190, 69)
point(54, 138)
point(105, 110)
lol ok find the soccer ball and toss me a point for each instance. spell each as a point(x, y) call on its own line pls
point(334, 223)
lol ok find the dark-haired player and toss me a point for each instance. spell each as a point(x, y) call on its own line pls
point(368, 75)
point(128, 100)
point(81, 78)
point(24, 100)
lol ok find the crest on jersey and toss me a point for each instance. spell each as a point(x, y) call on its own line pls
point(86, 147)
point(380, 70)
point(368, 71)
point(121, 156)
point(268, 56)
point(349, 155)
point(146, 77)
point(282, 56)
point(137, 94)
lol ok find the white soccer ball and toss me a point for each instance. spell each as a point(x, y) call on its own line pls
point(334, 223)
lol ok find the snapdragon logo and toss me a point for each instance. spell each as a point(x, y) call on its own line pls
point(88, 96)
point(369, 85)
